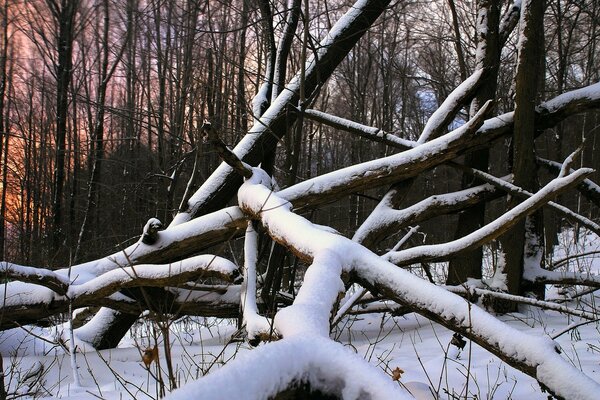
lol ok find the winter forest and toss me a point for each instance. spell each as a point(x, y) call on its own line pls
point(299, 199)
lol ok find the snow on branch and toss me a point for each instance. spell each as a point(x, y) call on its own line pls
point(385, 220)
point(537, 356)
point(190, 269)
point(255, 323)
point(550, 112)
point(474, 292)
point(562, 278)
point(493, 229)
point(30, 302)
point(190, 238)
point(446, 112)
point(588, 188)
point(38, 276)
point(505, 185)
point(369, 132)
point(386, 170)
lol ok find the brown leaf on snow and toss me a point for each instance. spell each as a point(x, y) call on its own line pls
point(397, 374)
point(149, 355)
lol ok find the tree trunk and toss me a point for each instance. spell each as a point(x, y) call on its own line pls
point(523, 151)
point(65, 18)
point(488, 56)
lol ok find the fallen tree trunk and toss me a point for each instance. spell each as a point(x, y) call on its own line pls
point(536, 356)
point(26, 302)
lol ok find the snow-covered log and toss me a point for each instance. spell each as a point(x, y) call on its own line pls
point(30, 302)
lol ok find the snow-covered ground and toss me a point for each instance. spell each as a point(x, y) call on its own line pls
point(418, 352)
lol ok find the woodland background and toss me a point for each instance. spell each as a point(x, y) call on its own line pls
point(101, 104)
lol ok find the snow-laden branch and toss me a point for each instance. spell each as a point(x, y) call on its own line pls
point(30, 301)
point(386, 170)
point(385, 220)
point(190, 269)
point(543, 276)
point(446, 112)
point(505, 185)
point(475, 292)
point(38, 276)
point(550, 112)
point(368, 132)
point(493, 229)
point(255, 324)
point(588, 188)
point(536, 356)
point(264, 135)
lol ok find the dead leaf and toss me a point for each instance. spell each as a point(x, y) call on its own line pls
point(397, 374)
point(150, 355)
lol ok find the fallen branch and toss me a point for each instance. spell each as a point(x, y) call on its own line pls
point(27, 302)
point(537, 356)
point(522, 193)
point(471, 291)
point(493, 229)
point(38, 276)
point(385, 220)
point(588, 188)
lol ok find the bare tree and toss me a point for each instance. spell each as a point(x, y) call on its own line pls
point(402, 96)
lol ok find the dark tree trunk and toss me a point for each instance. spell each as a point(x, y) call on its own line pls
point(65, 18)
point(523, 151)
point(469, 265)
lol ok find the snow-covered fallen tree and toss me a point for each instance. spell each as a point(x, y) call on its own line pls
point(166, 274)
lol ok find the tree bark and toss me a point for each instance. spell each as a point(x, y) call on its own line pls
point(65, 18)
point(488, 57)
point(523, 151)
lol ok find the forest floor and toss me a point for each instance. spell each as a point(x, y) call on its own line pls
point(418, 353)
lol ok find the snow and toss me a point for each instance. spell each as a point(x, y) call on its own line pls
point(538, 353)
point(264, 372)
point(436, 121)
point(255, 323)
point(591, 93)
point(488, 231)
point(311, 312)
